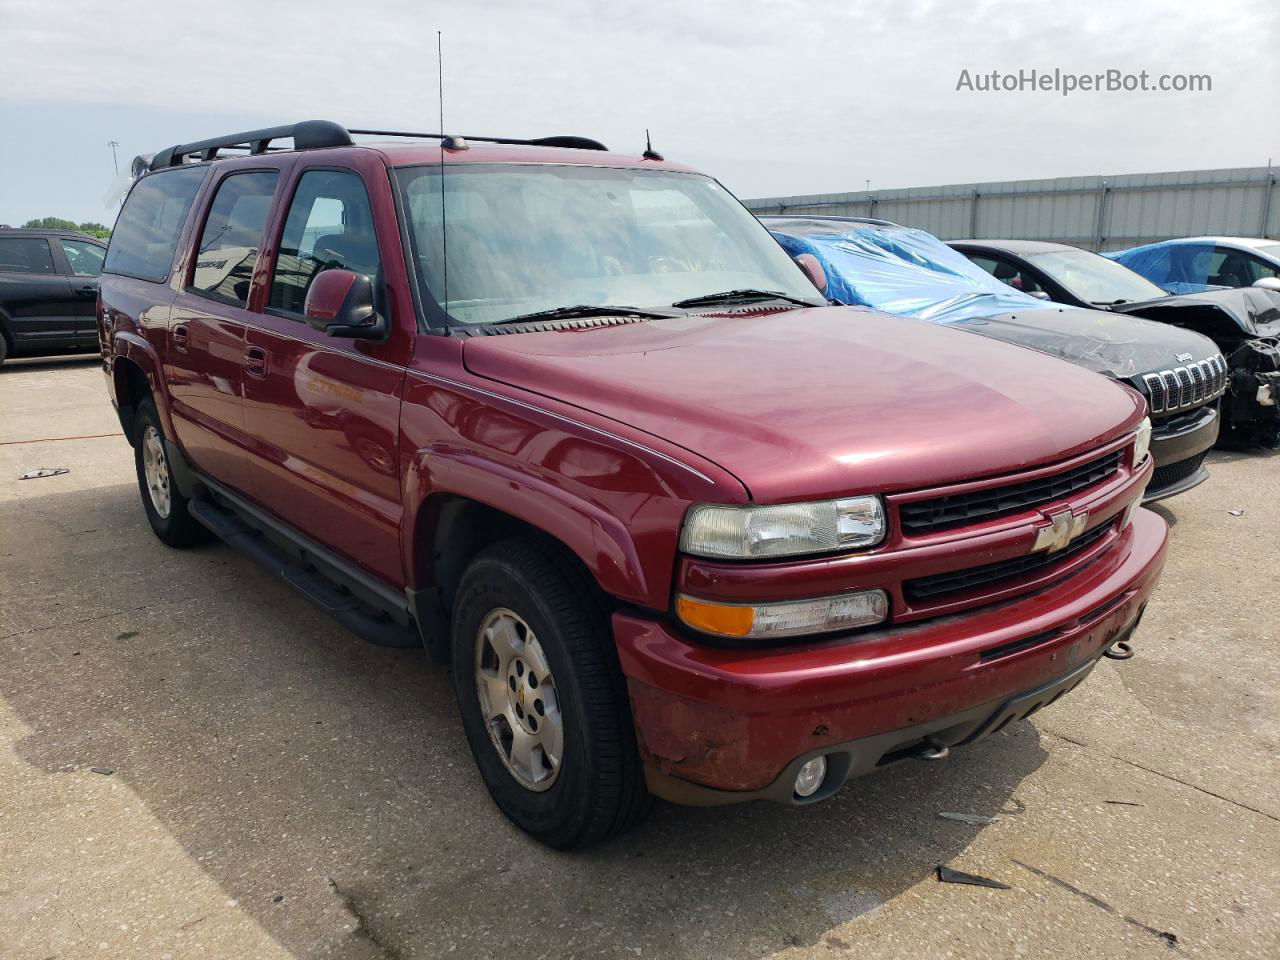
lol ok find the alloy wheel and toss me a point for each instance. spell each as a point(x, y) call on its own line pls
point(518, 699)
point(155, 469)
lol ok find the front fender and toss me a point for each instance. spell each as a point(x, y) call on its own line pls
point(616, 500)
point(599, 539)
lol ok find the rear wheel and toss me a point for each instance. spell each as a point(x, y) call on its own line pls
point(543, 701)
point(165, 506)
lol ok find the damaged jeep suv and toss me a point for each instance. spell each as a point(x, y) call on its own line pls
point(575, 422)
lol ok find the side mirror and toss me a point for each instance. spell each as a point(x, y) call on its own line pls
point(340, 303)
point(1268, 283)
point(813, 270)
point(1038, 294)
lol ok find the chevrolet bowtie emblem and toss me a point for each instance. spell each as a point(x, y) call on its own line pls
point(1064, 526)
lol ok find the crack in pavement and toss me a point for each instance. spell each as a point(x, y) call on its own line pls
point(1170, 938)
point(1161, 773)
point(361, 928)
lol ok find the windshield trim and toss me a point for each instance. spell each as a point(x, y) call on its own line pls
point(434, 319)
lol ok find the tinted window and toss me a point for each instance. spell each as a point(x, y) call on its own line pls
point(986, 263)
point(1261, 269)
point(85, 258)
point(145, 237)
point(25, 255)
point(1232, 268)
point(1007, 272)
point(232, 236)
point(330, 225)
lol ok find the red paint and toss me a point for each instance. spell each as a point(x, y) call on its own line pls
point(327, 294)
point(604, 438)
point(871, 403)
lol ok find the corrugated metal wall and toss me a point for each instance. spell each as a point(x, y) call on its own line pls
point(1098, 213)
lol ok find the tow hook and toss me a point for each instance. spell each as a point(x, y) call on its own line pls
point(932, 750)
point(1120, 650)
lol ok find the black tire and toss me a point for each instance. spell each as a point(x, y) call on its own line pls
point(4, 347)
point(598, 789)
point(175, 527)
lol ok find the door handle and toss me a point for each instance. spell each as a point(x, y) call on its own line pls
point(180, 338)
point(255, 362)
point(89, 289)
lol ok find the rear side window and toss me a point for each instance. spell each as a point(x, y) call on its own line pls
point(145, 238)
point(85, 258)
point(330, 225)
point(232, 236)
point(25, 255)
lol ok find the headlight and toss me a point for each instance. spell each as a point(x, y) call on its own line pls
point(791, 618)
point(1142, 442)
point(755, 533)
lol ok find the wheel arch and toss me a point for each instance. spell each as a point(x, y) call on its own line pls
point(136, 375)
point(451, 529)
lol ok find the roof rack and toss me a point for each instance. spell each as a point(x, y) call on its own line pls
point(307, 135)
point(566, 141)
point(313, 134)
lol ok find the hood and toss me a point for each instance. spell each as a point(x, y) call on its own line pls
point(821, 402)
point(1226, 314)
point(1120, 347)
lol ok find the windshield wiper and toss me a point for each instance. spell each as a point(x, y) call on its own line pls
point(741, 296)
point(1108, 303)
point(584, 310)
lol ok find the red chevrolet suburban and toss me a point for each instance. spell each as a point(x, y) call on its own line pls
point(573, 421)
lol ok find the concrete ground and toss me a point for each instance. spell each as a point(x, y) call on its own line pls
point(196, 763)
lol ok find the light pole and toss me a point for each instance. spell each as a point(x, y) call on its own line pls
point(114, 162)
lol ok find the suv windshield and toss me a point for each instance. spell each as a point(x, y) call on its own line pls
point(1094, 278)
point(526, 238)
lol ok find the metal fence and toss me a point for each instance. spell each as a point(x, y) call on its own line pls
point(1097, 213)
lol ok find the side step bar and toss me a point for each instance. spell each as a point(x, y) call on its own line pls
point(332, 598)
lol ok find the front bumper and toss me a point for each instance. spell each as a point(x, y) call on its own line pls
point(717, 725)
point(1179, 445)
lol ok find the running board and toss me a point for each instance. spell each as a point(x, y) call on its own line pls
point(334, 599)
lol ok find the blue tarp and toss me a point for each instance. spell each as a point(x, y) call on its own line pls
point(1179, 266)
point(899, 270)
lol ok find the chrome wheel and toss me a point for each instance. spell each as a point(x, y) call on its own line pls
point(155, 470)
point(518, 699)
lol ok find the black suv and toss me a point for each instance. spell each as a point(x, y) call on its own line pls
point(48, 292)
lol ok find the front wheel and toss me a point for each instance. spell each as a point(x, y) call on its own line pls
point(543, 701)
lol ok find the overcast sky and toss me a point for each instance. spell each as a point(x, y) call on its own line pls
point(774, 98)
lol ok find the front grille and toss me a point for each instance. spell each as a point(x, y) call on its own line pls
point(1171, 474)
point(1183, 387)
point(941, 584)
point(941, 513)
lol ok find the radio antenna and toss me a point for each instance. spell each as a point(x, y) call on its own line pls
point(649, 152)
point(444, 232)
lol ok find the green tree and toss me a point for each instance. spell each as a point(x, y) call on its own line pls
point(50, 223)
point(92, 228)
